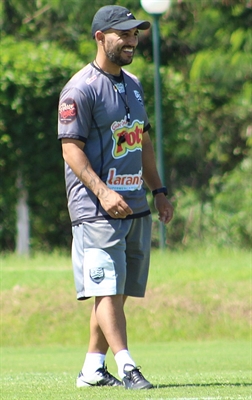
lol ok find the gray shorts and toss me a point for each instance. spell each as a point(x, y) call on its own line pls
point(111, 257)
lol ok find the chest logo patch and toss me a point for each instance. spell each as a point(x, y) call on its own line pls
point(132, 137)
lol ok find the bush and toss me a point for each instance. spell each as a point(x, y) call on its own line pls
point(225, 221)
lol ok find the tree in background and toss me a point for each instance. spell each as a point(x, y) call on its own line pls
point(210, 87)
point(31, 79)
point(206, 92)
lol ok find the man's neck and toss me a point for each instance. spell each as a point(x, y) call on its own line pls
point(107, 68)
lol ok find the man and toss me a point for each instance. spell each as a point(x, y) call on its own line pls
point(107, 150)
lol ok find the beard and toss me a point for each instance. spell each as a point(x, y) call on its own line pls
point(116, 57)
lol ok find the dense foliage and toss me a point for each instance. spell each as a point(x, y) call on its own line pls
point(206, 59)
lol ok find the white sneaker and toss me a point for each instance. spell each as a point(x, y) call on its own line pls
point(101, 377)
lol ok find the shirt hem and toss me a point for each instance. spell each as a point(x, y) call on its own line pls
point(108, 217)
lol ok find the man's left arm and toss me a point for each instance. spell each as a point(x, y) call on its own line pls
point(153, 181)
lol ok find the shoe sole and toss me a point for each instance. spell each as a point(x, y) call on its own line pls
point(86, 384)
point(83, 384)
point(147, 386)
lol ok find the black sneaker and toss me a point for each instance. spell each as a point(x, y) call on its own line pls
point(134, 379)
point(101, 377)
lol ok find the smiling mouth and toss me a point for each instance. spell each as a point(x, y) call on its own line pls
point(129, 50)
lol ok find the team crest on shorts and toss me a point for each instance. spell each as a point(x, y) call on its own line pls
point(97, 275)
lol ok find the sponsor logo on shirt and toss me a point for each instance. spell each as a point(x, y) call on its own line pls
point(120, 87)
point(132, 134)
point(124, 182)
point(138, 96)
point(91, 79)
point(67, 111)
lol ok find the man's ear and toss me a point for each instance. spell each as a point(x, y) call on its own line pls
point(99, 36)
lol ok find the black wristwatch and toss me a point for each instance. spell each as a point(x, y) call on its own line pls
point(160, 190)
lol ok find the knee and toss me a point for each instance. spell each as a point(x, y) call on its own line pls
point(117, 300)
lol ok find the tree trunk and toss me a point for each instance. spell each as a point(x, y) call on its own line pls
point(23, 228)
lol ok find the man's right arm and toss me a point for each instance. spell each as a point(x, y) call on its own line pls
point(110, 200)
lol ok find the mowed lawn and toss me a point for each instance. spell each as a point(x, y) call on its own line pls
point(191, 334)
point(179, 370)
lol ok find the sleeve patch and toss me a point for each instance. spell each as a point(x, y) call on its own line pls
point(67, 111)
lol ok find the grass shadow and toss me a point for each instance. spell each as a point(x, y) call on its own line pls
point(215, 384)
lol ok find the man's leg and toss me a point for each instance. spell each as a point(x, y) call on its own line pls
point(94, 371)
point(108, 316)
point(97, 349)
point(107, 312)
point(97, 341)
point(111, 320)
point(108, 329)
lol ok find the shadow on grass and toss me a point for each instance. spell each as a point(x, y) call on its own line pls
point(202, 385)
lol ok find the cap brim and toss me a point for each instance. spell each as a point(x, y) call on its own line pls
point(132, 23)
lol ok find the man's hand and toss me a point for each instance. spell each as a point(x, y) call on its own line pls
point(164, 208)
point(113, 203)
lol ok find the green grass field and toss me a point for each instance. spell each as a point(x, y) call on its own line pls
point(179, 370)
point(191, 334)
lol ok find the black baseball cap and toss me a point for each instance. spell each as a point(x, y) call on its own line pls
point(116, 17)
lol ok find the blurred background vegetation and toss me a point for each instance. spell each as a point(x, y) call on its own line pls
point(206, 68)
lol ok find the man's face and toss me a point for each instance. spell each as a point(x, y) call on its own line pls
point(119, 46)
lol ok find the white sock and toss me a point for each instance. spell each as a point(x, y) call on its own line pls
point(123, 357)
point(93, 361)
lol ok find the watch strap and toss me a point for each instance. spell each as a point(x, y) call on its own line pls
point(160, 190)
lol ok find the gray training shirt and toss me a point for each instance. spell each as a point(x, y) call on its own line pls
point(92, 109)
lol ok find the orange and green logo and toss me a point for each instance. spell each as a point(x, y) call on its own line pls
point(126, 138)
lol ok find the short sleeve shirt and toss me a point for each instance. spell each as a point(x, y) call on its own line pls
point(92, 109)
